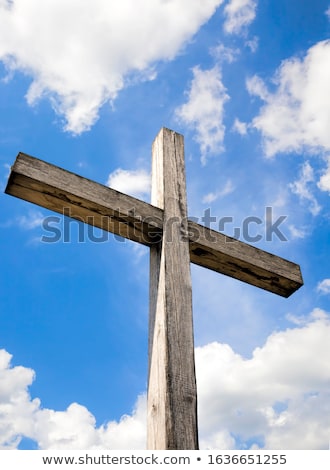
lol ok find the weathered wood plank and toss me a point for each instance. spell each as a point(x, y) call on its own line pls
point(64, 192)
point(172, 395)
point(226, 255)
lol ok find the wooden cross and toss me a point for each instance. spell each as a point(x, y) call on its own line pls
point(174, 242)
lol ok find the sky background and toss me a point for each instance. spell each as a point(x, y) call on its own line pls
point(87, 85)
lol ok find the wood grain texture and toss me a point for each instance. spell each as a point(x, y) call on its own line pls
point(172, 395)
point(64, 192)
point(226, 255)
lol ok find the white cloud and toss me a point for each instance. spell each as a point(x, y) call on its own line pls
point(242, 396)
point(16, 407)
point(223, 53)
point(204, 110)
point(296, 116)
point(328, 13)
point(31, 221)
point(80, 54)
point(253, 44)
point(130, 431)
point(8, 169)
point(4, 178)
point(324, 286)
point(136, 183)
point(303, 188)
point(211, 197)
point(239, 14)
point(256, 86)
point(240, 127)
point(303, 320)
point(296, 232)
point(73, 428)
point(324, 183)
point(279, 397)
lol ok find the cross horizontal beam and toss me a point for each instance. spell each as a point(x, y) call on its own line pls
point(64, 192)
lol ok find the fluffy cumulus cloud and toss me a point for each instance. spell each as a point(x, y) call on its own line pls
point(136, 183)
point(17, 410)
point(277, 399)
point(295, 116)
point(80, 54)
point(239, 14)
point(204, 110)
point(73, 428)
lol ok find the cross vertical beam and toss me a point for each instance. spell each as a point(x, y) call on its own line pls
point(172, 395)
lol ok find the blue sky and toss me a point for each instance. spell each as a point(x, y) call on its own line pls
point(87, 85)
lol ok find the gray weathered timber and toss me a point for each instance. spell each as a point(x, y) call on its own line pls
point(172, 395)
point(226, 255)
point(64, 192)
